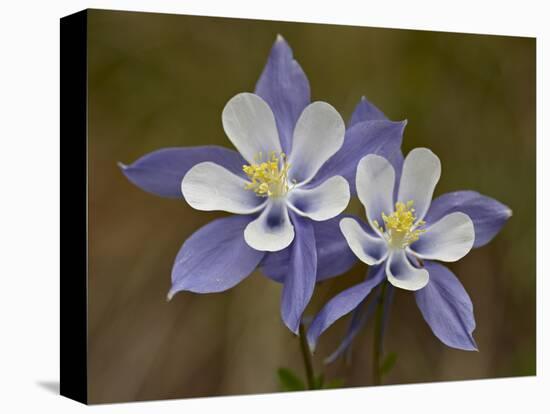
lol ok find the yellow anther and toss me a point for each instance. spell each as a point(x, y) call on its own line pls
point(268, 178)
point(401, 226)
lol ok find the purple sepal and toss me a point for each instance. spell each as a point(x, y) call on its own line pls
point(447, 308)
point(487, 214)
point(359, 319)
point(285, 87)
point(160, 172)
point(215, 258)
point(370, 137)
point(300, 280)
point(341, 305)
point(334, 257)
point(366, 111)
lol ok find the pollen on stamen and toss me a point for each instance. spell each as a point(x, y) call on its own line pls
point(268, 178)
point(401, 226)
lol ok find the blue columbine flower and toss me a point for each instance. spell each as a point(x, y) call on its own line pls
point(405, 232)
point(286, 184)
point(272, 183)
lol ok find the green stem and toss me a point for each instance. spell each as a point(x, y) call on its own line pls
point(376, 351)
point(306, 355)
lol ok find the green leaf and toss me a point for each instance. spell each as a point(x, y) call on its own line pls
point(388, 363)
point(289, 381)
point(334, 383)
point(319, 381)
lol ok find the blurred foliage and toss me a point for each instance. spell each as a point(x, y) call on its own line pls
point(289, 381)
point(162, 80)
point(388, 363)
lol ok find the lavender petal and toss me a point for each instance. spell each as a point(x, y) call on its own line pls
point(161, 172)
point(215, 258)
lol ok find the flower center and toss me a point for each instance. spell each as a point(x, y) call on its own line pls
point(401, 226)
point(268, 178)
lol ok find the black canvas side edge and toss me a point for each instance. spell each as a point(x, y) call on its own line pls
point(73, 232)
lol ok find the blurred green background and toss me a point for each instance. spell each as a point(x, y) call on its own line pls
point(162, 80)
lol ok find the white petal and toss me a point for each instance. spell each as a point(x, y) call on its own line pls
point(322, 202)
point(272, 230)
point(402, 274)
point(318, 135)
point(375, 180)
point(448, 239)
point(370, 250)
point(250, 125)
point(421, 172)
point(208, 186)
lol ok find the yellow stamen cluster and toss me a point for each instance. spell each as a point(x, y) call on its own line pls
point(401, 227)
point(268, 178)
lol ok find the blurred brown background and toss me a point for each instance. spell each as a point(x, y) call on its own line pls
point(162, 80)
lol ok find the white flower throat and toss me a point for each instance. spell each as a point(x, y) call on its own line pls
point(268, 178)
point(401, 228)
